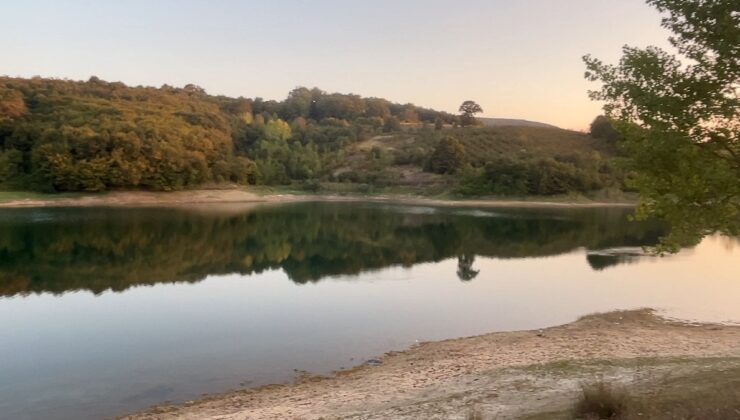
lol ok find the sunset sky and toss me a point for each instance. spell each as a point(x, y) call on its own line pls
point(518, 59)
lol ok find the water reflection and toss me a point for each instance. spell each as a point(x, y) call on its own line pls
point(60, 250)
point(465, 270)
point(604, 258)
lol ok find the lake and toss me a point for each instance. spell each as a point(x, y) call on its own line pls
point(109, 310)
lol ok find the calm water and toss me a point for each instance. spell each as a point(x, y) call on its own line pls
point(105, 311)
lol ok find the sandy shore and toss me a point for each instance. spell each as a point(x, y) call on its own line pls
point(234, 196)
point(508, 374)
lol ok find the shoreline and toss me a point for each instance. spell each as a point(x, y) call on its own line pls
point(509, 374)
point(237, 196)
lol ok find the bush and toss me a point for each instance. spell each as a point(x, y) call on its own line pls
point(507, 177)
point(448, 157)
point(350, 176)
point(599, 401)
point(391, 124)
point(411, 156)
point(311, 185)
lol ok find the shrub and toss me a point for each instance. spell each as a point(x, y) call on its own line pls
point(448, 157)
point(311, 185)
point(599, 401)
point(391, 124)
point(507, 177)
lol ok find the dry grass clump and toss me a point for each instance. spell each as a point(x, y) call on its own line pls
point(601, 401)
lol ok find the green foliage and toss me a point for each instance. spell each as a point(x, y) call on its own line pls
point(681, 120)
point(391, 124)
point(298, 104)
point(448, 157)
point(468, 109)
point(94, 136)
point(277, 130)
point(602, 128)
point(279, 161)
point(11, 165)
point(59, 135)
point(379, 108)
point(549, 176)
point(507, 177)
point(346, 107)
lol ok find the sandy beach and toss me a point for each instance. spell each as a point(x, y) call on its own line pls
point(505, 374)
point(235, 196)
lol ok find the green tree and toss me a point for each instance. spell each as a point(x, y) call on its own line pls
point(376, 107)
point(391, 124)
point(680, 116)
point(602, 128)
point(11, 162)
point(468, 109)
point(277, 130)
point(448, 157)
point(298, 104)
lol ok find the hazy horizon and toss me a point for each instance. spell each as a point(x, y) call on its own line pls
point(518, 60)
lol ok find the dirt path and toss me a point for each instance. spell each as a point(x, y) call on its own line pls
point(501, 371)
point(180, 198)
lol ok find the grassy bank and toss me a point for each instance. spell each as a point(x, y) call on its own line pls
point(649, 389)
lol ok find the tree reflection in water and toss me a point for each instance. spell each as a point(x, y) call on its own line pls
point(59, 250)
point(465, 270)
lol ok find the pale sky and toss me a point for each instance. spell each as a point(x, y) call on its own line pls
point(517, 58)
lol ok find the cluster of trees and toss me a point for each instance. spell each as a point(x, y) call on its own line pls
point(60, 135)
point(551, 176)
point(525, 174)
point(315, 104)
point(603, 128)
point(448, 156)
point(679, 115)
point(91, 136)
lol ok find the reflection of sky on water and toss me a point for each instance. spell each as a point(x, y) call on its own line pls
point(81, 355)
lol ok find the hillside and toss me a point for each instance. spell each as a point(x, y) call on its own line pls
point(511, 122)
point(401, 159)
point(62, 135)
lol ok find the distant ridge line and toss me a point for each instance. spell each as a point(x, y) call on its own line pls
point(498, 122)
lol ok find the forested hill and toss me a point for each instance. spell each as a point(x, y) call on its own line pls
point(61, 135)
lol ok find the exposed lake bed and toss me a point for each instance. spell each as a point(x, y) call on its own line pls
point(249, 297)
point(506, 375)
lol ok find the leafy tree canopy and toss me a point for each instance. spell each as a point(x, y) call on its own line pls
point(680, 116)
point(468, 109)
point(448, 157)
point(62, 135)
point(602, 128)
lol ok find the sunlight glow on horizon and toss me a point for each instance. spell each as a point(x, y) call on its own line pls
point(516, 59)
